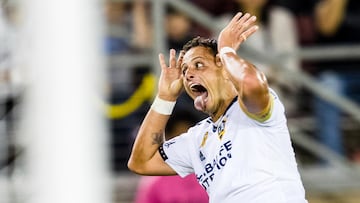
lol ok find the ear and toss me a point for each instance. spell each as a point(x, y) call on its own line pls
point(218, 60)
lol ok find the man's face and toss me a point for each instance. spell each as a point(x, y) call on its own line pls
point(203, 79)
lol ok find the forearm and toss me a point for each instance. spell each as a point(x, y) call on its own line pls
point(145, 158)
point(329, 15)
point(149, 137)
point(249, 82)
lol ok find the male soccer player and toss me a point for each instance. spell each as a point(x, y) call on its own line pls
point(242, 152)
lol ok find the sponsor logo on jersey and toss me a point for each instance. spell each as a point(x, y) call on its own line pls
point(212, 167)
point(221, 128)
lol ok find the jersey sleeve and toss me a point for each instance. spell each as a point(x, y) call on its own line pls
point(277, 112)
point(272, 115)
point(176, 153)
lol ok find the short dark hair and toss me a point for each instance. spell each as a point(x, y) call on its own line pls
point(200, 41)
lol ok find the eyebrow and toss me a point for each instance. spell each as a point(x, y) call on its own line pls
point(197, 58)
point(201, 57)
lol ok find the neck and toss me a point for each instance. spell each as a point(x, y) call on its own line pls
point(226, 97)
point(222, 109)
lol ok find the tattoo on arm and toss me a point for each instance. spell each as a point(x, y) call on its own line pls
point(158, 138)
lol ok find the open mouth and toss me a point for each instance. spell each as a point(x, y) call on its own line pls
point(201, 96)
point(198, 89)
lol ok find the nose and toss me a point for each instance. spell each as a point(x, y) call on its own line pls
point(189, 74)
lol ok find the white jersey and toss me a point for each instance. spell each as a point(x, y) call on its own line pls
point(238, 159)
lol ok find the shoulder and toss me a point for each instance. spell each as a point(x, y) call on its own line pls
point(201, 125)
point(193, 136)
point(193, 131)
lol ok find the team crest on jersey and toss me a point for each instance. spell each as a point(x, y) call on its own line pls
point(221, 128)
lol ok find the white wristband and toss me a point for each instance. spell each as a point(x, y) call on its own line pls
point(162, 106)
point(225, 50)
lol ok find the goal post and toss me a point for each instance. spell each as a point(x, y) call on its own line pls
point(63, 125)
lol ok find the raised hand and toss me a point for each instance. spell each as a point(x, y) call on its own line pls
point(170, 82)
point(237, 31)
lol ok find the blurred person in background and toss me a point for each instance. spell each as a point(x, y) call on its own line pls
point(277, 35)
point(242, 152)
point(178, 27)
point(127, 26)
point(126, 33)
point(337, 23)
point(171, 189)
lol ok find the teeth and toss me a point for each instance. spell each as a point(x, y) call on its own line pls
point(193, 85)
point(197, 88)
